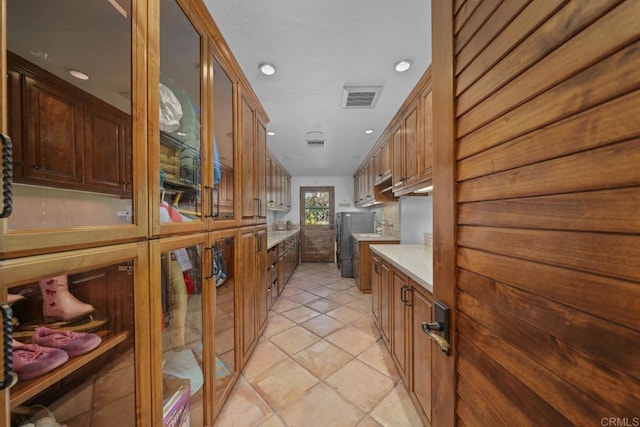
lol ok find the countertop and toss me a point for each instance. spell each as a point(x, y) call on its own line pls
point(373, 237)
point(276, 236)
point(416, 261)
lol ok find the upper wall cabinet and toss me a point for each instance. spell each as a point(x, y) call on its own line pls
point(222, 147)
point(70, 115)
point(278, 185)
point(401, 160)
point(253, 137)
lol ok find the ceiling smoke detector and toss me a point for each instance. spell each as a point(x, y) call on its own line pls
point(360, 96)
point(315, 139)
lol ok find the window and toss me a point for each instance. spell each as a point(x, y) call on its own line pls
point(316, 208)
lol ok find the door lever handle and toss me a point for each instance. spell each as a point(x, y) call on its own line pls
point(429, 328)
point(440, 329)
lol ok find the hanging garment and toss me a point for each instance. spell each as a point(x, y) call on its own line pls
point(170, 110)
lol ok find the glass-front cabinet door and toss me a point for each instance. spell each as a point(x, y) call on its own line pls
point(70, 98)
point(78, 341)
point(223, 251)
point(178, 193)
point(222, 148)
point(178, 288)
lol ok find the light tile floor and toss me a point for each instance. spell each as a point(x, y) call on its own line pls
point(320, 362)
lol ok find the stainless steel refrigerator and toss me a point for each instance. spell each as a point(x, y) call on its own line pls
point(347, 223)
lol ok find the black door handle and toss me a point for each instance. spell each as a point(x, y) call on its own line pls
point(7, 335)
point(7, 176)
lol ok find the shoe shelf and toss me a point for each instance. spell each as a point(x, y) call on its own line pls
point(25, 390)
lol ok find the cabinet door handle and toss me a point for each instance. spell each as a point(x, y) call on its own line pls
point(210, 248)
point(407, 302)
point(402, 294)
point(217, 191)
point(7, 176)
point(7, 335)
point(375, 268)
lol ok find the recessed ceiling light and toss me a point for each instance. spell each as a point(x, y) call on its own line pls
point(403, 65)
point(79, 74)
point(271, 133)
point(368, 131)
point(267, 69)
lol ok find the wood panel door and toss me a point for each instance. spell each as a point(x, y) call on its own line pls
point(536, 228)
point(400, 324)
point(412, 146)
point(317, 228)
point(385, 303)
point(421, 349)
point(425, 162)
point(262, 278)
point(376, 289)
point(246, 272)
point(397, 155)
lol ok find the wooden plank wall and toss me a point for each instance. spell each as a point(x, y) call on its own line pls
point(547, 106)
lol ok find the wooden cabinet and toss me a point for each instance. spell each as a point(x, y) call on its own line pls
point(422, 311)
point(400, 315)
point(376, 289)
point(425, 162)
point(384, 172)
point(362, 260)
point(289, 259)
point(385, 303)
point(182, 302)
point(278, 186)
point(399, 306)
point(406, 150)
point(402, 155)
point(254, 167)
point(66, 138)
point(252, 271)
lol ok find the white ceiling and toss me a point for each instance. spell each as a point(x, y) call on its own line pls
point(319, 46)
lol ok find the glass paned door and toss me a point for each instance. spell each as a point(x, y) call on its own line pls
point(317, 224)
point(222, 145)
point(223, 252)
point(183, 350)
point(179, 117)
point(69, 104)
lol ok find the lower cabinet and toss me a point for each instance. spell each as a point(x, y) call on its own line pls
point(385, 303)
point(376, 289)
point(401, 314)
point(252, 269)
point(421, 363)
point(399, 306)
point(83, 317)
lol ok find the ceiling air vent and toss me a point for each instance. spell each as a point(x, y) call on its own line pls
point(315, 139)
point(360, 96)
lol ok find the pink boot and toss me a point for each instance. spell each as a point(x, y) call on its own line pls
point(58, 303)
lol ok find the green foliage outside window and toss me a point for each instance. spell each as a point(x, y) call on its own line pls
point(316, 208)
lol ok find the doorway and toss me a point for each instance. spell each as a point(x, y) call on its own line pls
point(317, 216)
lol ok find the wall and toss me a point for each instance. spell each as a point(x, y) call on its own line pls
point(416, 218)
point(343, 194)
point(546, 187)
